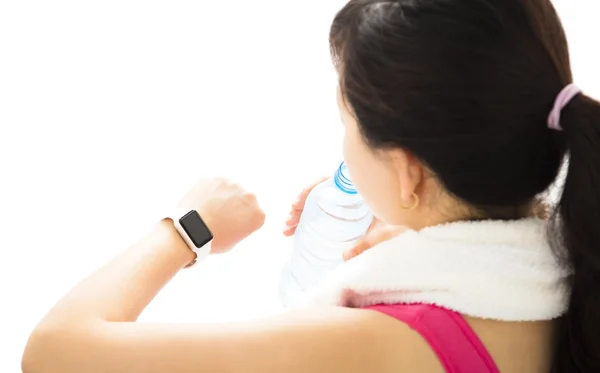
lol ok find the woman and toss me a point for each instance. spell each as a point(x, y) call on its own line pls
point(446, 109)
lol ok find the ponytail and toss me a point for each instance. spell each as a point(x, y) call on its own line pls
point(575, 233)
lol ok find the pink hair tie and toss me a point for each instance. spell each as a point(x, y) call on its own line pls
point(564, 97)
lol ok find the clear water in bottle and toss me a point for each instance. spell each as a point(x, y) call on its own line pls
point(334, 218)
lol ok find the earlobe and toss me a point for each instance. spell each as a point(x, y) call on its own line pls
point(414, 204)
point(410, 174)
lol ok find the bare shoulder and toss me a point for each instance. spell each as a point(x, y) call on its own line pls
point(517, 346)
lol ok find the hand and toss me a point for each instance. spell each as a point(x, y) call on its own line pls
point(297, 207)
point(230, 212)
point(378, 231)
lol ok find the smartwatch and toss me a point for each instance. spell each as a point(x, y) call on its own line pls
point(194, 232)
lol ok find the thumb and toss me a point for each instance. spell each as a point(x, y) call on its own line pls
point(362, 245)
point(373, 238)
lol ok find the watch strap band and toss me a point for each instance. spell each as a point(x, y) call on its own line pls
point(201, 252)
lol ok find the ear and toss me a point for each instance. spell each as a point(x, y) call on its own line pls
point(409, 171)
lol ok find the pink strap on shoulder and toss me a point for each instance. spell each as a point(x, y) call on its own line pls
point(449, 335)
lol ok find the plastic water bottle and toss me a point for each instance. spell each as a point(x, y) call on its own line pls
point(334, 218)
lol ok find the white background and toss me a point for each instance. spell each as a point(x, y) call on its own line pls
point(110, 110)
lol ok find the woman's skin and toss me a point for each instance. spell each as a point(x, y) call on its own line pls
point(93, 329)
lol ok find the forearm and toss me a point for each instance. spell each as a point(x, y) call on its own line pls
point(121, 290)
point(92, 328)
point(117, 292)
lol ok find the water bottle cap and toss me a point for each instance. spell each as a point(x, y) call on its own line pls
point(342, 180)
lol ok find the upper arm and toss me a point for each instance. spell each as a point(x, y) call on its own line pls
point(320, 340)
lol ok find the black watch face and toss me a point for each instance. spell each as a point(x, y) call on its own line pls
point(196, 229)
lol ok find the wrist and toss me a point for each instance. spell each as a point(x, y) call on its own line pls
point(173, 243)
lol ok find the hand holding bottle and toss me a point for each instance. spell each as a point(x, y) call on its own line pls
point(378, 231)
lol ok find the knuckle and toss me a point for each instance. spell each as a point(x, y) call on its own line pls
point(250, 197)
point(221, 181)
point(260, 218)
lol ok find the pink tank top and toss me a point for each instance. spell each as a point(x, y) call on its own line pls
point(451, 338)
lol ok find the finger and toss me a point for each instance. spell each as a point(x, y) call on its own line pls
point(366, 242)
point(301, 200)
point(372, 239)
point(355, 250)
point(384, 234)
point(260, 220)
point(375, 224)
point(292, 222)
point(293, 219)
point(289, 231)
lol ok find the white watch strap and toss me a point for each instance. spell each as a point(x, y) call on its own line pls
point(202, 252)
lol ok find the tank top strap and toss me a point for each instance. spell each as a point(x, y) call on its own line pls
point(452, 339)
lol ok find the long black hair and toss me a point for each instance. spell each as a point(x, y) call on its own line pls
point(467, 86)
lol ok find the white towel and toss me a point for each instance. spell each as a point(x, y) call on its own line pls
point(489, 269)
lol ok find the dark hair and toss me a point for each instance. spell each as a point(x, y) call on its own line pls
point(467, 87)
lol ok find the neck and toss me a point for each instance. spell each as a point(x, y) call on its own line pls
point(444, 210)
